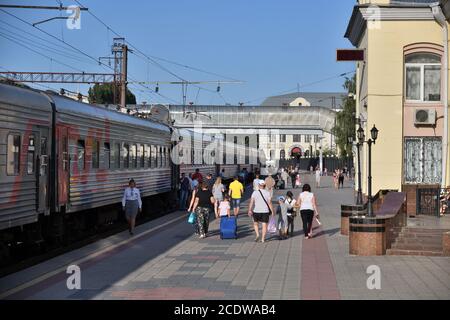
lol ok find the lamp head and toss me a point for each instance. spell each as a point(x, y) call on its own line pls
point(374, 133)
point(360, 134)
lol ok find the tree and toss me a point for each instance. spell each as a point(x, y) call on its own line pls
point(345, 120)
point(104, 94)
point(14, 83)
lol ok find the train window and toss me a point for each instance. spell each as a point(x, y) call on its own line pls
point(13, 161)
point(43, 162)
point(80, 154)
point(167, 157)
point(148, 151)
point(156, 156)
point(107, 150)
point(142, 156)
point(30, 155)
point(153, 155)
point(126, 156)
point(95, 154)
point(116, 155)
point(65, 154)
point(160, 159)
point(133, 156)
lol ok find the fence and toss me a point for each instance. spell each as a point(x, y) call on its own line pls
point(433, 201)
point(329, 163)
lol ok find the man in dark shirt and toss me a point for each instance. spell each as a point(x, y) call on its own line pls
point(209, 180)
point(185, 188)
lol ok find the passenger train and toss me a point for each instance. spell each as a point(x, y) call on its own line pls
point(64, 165)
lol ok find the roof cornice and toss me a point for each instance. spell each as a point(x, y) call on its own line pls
point(363, 13)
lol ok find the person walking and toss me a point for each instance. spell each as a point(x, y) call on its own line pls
point(198, 176)
point(335, 178)
point(209, 180)
point(318, 173)
point(260, 208)
point(185, 188)
point(298, 181)
point(285, 177)
point(282, 217)
point(307, 203)
point(195, 187)
point(293, 175)
point(224, 209)
point(255, 183)
point(131, 204)
point(204, 201)
point(270, 184)
point(217, 190)
point(341, 178)
point(236, 192)
point(291, 212)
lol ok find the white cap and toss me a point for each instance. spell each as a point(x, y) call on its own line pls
point(261, 182)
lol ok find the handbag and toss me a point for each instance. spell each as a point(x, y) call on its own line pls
point(270, 211)
point(292, 211)
point(272, 227)
point(192, 217)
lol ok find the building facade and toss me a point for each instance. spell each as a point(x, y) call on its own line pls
point(402, 88)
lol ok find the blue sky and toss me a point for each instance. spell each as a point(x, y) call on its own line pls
point(270, 44)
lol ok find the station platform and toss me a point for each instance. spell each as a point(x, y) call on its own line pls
point(165, 260)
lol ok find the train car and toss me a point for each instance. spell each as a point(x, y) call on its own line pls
point(25, 144)
point(62, 161)
point(205, 150)
point(100, 150)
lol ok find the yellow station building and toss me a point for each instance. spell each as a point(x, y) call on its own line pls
point(402, 88)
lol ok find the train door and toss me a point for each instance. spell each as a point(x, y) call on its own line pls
point(43, 170)
point(63, 166)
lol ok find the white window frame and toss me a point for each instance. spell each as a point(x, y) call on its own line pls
point(422, 81)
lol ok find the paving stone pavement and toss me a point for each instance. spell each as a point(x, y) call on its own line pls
point(174, 264)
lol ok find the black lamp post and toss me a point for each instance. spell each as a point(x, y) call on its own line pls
point(361, 138)
point(359, 200)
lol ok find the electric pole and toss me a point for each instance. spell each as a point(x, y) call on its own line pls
point(123, 80)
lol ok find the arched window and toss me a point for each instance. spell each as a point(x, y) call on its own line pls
point(423, 77)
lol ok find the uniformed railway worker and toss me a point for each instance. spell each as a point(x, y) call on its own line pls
point(131, 204)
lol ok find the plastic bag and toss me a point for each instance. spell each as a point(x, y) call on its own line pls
point(191, 218)
point(272, 227)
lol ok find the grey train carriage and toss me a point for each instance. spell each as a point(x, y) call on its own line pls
point(59, 157)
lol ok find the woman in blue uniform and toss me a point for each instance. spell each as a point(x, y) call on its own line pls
point(131, 204)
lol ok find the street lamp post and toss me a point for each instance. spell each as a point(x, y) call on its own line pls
point(361, 138)
point(359, 200)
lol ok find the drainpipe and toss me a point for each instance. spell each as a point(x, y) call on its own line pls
point(440, 18)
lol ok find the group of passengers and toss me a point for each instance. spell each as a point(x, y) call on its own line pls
point(207, 195)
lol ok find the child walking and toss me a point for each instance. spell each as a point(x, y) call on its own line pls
point(291, 212)
point(224, 208)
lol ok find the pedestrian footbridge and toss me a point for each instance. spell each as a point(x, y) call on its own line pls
point(284, 119)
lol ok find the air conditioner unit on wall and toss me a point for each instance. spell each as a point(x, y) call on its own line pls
point(424, 116)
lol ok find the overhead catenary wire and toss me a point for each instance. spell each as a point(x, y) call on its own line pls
point(41, 46)
point(39, 53)
point(74, 48)
point(303, 86)
point(136, 51)
point(152, 56)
